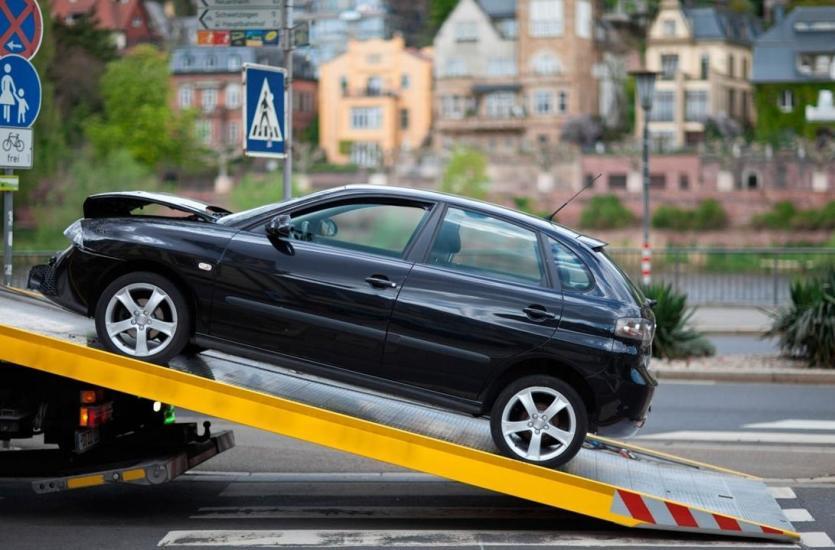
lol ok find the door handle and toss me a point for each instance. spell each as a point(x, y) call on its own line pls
point(539, 313)
point(380, 281)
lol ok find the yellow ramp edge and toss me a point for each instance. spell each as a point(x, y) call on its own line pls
point(328, 428)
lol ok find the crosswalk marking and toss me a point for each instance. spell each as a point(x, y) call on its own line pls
point(817, 539)
point(782, 492)
point(743, 437)
point(797, 515)
point(430, 538)
point(794, 424)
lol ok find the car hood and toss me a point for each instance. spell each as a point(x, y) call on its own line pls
point(120, 204)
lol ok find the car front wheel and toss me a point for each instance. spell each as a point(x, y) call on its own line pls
point(539, 419)
point(143, 315)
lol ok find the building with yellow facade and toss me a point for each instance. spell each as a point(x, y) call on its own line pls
point(375, 102)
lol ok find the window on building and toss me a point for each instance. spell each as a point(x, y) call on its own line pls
point(683, 182)
point(501, 66)
point(343, 85)
point(695, 106)
point(658, 181)
point(704, 66)
point(136, 22)
point(582, 18)
point(562, 105)
point(209, 99)
point(466, 31)
point(662, 142)
point(785, 101)
point(366, 154)
point(233, 95)
point(669, 66)
point(186, 96)
point(405, 81)
point(546, 63)
point(508, 28)
point(731, 65)
point(663, 107)
point(543, 102)
point(455, 66)
point(366, 118)
point(374, 86)
point(499, 104)
point(731, 102)
point(617, 182)
point(233, 133)
point(233, 63)
point(404, 119)
point(744, 74)
point(545, 18)
point(668, 27)
point(752, 181)
point(456, 106)
point(211, 62)
point(373, 58)
point(204, 131)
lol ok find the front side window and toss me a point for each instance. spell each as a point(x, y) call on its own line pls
point(573, 273)
point(377, 228)
point(478, 244)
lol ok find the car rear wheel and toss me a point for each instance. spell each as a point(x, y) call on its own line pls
point(143, 315)
point(539, 419)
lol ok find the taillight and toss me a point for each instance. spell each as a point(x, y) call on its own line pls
point(635, 328)
point(95, 416)
point(89, 397)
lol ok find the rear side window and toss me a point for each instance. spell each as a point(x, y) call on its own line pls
point(376, 228)
point(478, 244)
point(571, 270)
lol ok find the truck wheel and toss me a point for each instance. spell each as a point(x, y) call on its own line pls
point(143, 315)
point(539, 419)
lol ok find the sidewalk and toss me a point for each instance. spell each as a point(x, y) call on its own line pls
point(731, 320)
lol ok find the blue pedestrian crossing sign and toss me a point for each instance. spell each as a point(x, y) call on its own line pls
point(20, 92)
point(264, 113)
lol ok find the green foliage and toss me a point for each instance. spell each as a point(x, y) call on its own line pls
point(784, 215)
point(439, 10)
point(466, 174)
point(806, 328)
point(86, 176)
point(258, 190)
point(673, 338)
point(137, 113)
point(778, 128)
point(708, 215)
point(605, 212)
point(311, 133)
point(524, 204)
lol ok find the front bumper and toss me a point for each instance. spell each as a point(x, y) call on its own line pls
point(52, 280)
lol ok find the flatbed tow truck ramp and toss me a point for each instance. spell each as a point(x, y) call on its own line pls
point(607, 480)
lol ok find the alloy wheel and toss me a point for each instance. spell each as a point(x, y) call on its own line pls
point(141, 319)
point(538, 423)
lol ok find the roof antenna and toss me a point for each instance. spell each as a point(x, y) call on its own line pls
point(586, 186)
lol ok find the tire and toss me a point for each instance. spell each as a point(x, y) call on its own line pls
point(560, 437)
point(123, 325)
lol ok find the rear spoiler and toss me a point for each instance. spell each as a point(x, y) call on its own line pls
point(592, 243)
point(121, 204)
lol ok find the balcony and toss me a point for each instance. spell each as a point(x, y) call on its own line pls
point(369, 92)
point(474, 122)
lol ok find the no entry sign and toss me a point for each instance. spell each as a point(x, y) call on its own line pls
point(21, 27)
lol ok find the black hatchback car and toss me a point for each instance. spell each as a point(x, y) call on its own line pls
point(451, 301)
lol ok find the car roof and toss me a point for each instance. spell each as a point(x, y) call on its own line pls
point(423, 194)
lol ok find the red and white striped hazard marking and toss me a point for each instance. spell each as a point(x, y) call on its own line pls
point(660, 513)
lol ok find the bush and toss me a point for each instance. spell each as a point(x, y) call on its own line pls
point(673, 338)
point(258, 190)
point(806, 328)
point(466, 174)
point(708, 215)
point(779, 217)
point(784, 215)
point(605, 212)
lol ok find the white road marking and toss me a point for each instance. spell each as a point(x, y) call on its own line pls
point(782, 492)
point(362, 512)
point(402, 539)
point(794, 424)
point(818, 539)
point(743, 437)
point(797, 515)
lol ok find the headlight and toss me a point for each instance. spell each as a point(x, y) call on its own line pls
point(75, 233)
point(635, 329)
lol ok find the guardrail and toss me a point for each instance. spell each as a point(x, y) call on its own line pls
point(709, 276)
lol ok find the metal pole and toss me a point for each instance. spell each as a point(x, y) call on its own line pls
point(287, 17)
point(8, 223)
point(646, 263)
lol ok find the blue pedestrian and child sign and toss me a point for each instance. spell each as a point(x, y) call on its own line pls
point(20, 92)
point(264, 113)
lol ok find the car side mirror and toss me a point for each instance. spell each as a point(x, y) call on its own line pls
point(280, 227)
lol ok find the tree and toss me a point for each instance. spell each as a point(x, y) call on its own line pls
point(137, 114)
point(466, 174)
point(438, 12)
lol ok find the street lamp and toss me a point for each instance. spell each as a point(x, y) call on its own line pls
point(645, 81)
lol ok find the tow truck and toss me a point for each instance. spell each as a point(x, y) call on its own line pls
point(110, 418)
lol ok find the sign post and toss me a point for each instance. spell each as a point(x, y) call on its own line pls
point(21, 31)
point(287, 17)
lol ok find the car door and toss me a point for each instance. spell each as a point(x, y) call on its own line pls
point(481, 298)
point(324, 294)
